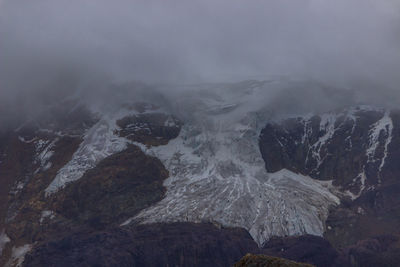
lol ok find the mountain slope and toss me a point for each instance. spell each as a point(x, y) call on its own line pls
point(216, 158)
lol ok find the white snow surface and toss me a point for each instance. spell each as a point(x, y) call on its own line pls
point(4, 239)
point(217, 173)
point(18, 255)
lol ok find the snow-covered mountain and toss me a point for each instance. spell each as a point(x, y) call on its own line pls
point(223, 154)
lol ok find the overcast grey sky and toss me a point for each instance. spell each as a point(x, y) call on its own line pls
point(343, 42)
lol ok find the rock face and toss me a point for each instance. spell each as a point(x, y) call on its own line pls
point(310, 249)
point(150, 129)
point(120, 185)
point(349, 147)
point(267, 261)
point(178, 244)
point(359, 150)
point(30, 157)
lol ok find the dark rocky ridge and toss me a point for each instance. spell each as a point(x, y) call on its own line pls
point(119, 187)
point(179, 244)
point(267, 261)
point(299, 144)
point(175, 244)
point(31, 155)
point(308, 248)
point(151, 129)
point(189, 244)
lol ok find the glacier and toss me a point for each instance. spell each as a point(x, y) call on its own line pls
point(217, 173)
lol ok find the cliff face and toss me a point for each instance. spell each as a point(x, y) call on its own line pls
point(177, 244)
point(353, 147)
point(359, 150)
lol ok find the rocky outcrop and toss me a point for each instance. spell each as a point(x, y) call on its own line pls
point(177, 244)
point(310, 249)
point(151, 129)
point(267, 261)
point(116, 186)
point(30, 156)
point(119, 187)
point(359, 150)
point(348, 147)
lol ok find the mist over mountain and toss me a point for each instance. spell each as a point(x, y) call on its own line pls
point(50, 48)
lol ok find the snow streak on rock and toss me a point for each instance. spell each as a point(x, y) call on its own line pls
point(99, 142)
point(44, 153)
point(339, 126)
point(327, 126)
point(383, 126)
point(4, 239)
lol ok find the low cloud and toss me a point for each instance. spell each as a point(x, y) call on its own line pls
point(49, 48)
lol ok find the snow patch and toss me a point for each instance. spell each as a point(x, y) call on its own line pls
point(46, 214)
point(4, 239)
point(18, 186)
point(18, 255)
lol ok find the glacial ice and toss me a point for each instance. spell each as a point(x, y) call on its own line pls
point(217, 175)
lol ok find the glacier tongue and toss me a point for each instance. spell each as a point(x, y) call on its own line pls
point(217, 174)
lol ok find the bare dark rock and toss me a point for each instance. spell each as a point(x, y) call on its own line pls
point(176, 244)
point(267, 261)
point(293, 144)
point(310, 249)
point(151, 129)
point(352, 227)
point(377, 251)
point(120, 186)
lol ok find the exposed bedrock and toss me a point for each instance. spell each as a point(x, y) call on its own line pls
point(151, 129)
point(179, 244)
point(189, 244)
point(359, 150)
point(175, 244)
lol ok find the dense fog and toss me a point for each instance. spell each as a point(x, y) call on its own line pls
point(50, 48)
